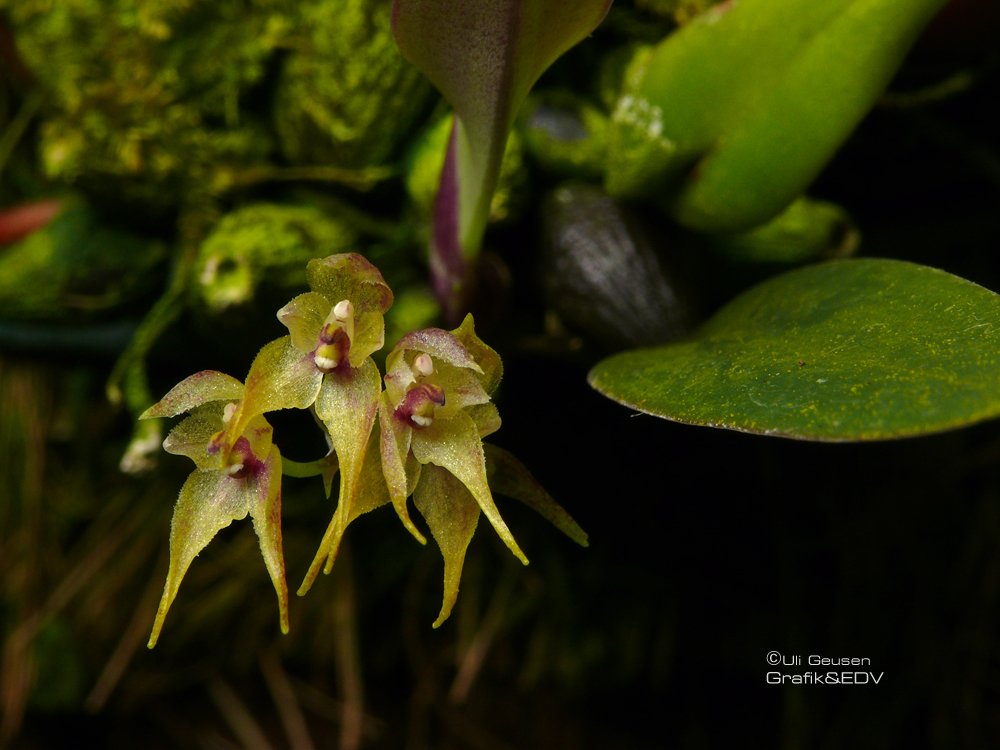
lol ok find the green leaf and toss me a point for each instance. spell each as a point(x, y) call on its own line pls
point(736, 113)
point(846, 350)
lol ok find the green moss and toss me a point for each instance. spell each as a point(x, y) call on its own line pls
point(265, 242)
point(346, 96)
point(147, 101)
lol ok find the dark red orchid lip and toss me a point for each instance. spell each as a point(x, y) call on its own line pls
point(419, 400)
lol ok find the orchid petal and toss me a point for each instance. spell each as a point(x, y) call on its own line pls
point(454, 445)
point(369, 336)
point(281, 377)
point(350, 276)
point(452, 514)
point(486, 418)
point(441, 345)
point(462, 389)
point(258, 433)
point(509, 477)
point(347, 405)
point(371, 494)
point(304, 316)
point(211, 500)
point(395, 448)
point(195, 390)
point(192, 435)
point(484, 355)
point(265, 510)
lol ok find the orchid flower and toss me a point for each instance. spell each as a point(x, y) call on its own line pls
point(326, 363)
point(421, 437)
point(433, 415)
point(238, 473)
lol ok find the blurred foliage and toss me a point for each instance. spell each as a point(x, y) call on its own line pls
point(76, 267)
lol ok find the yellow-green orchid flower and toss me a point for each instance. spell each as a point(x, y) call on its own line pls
point(238, 473)
point(433, 415)
point(325, 362)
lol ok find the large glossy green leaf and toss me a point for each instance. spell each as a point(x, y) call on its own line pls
point(846, 350)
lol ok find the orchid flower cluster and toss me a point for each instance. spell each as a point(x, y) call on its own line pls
point(420, 436)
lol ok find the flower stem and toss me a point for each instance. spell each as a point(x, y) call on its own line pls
point(303, 469)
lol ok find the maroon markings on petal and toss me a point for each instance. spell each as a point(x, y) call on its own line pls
point(242, 461)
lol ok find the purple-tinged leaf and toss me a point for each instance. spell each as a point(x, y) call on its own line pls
point(484, 57)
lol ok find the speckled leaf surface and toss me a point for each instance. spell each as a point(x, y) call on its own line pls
point(847, 350)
